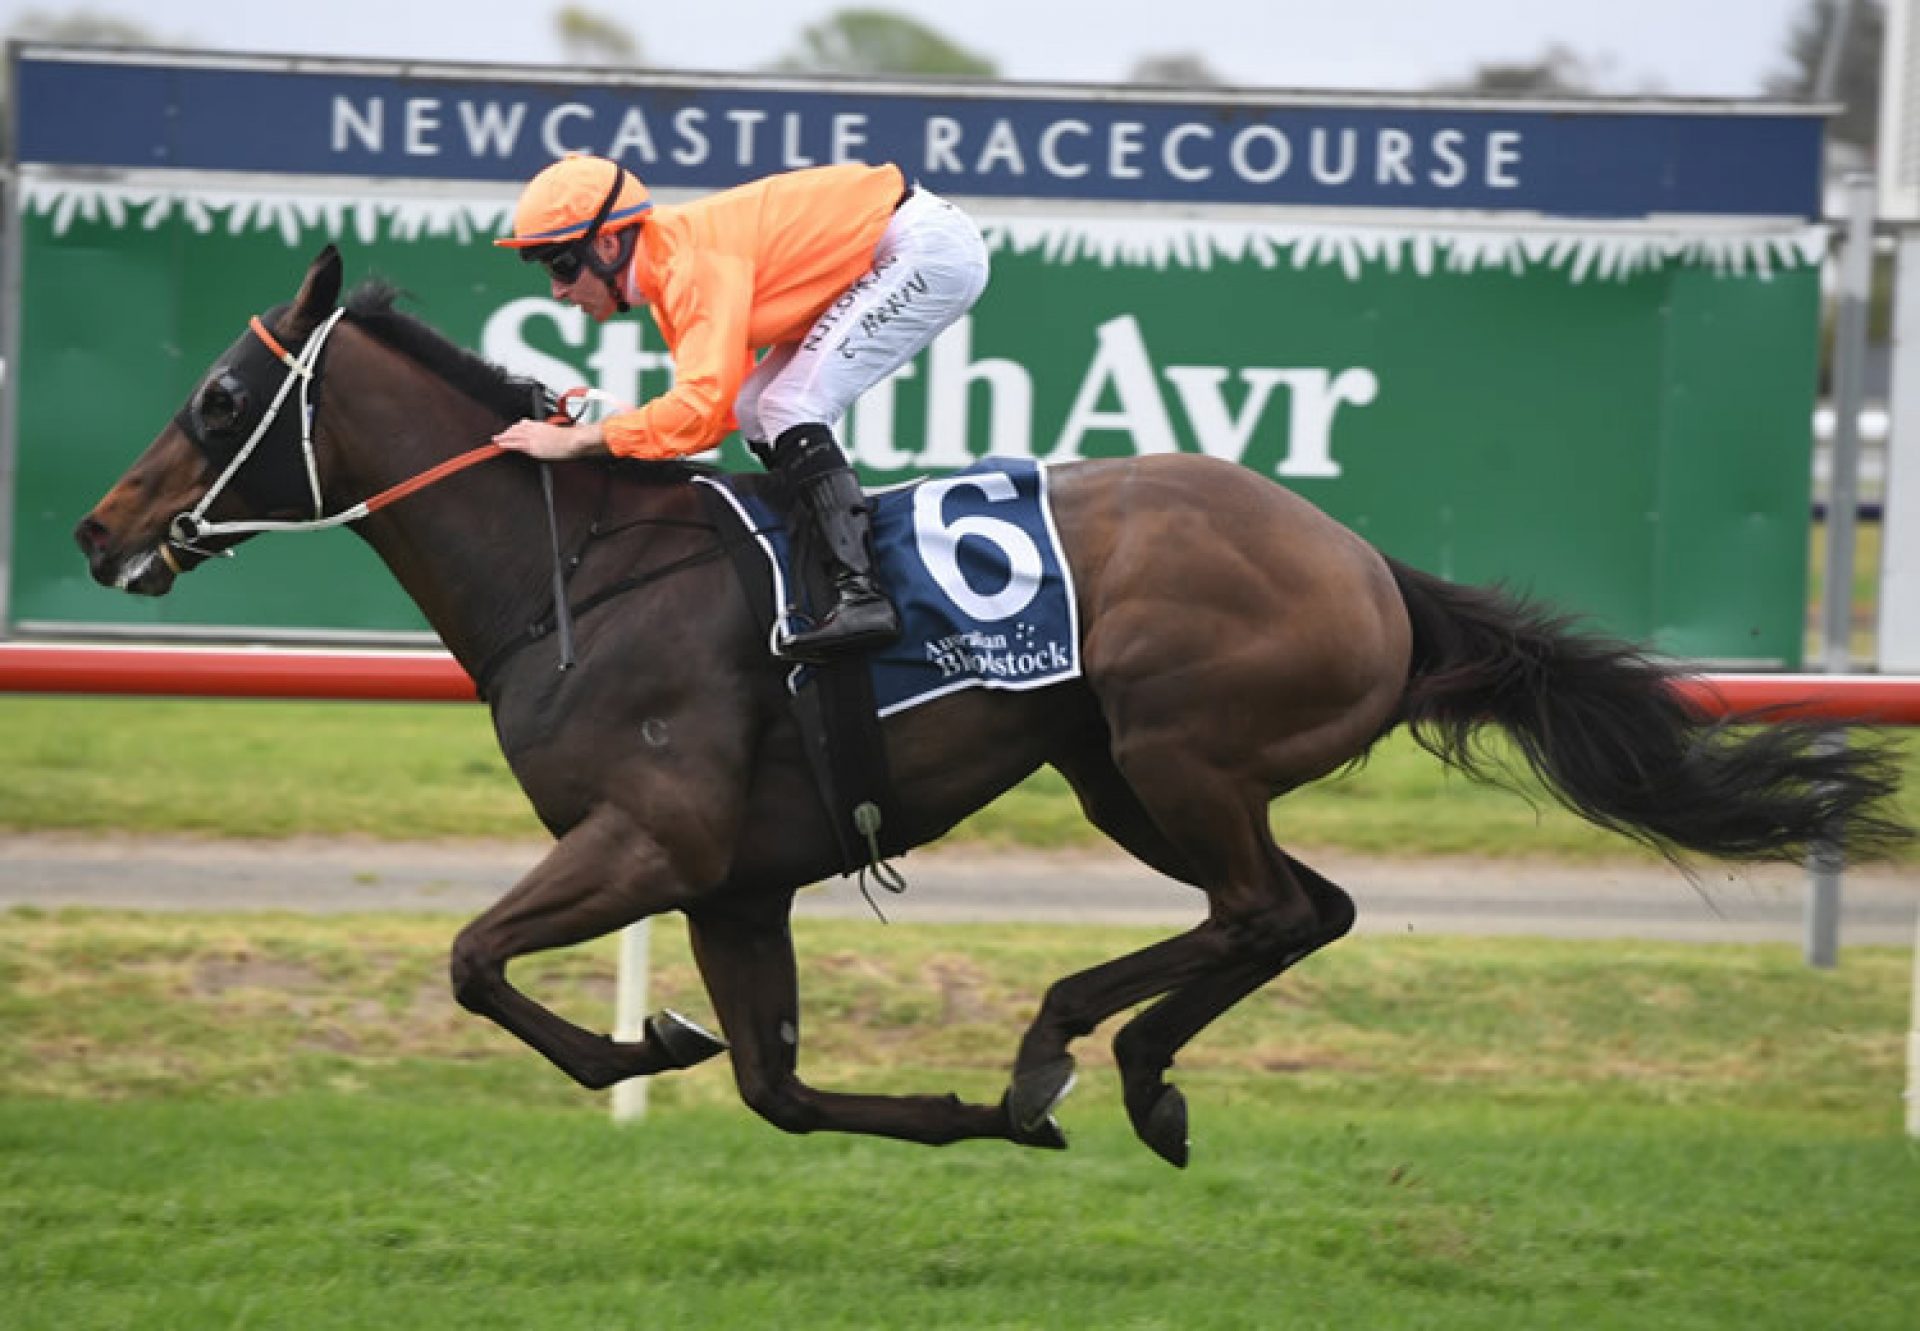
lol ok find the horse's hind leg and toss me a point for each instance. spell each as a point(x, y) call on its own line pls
point(602, 876)
point(1204, 821)
point(1043, 1070)
point(745, 955)
point(1207, 969)
point(1145, 1046)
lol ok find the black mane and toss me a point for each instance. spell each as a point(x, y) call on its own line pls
point(514, 397)
point(371, 306)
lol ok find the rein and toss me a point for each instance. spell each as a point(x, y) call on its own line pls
point(191, 527)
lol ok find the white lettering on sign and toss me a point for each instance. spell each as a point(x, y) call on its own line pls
point(1120, 365)
point(690, 129)
point(849, 136)
point(632, 137)
point(938, 155)
point(356, 127)
point(1051, 160)
point(1172, 153)
point(1226, 411)
point(423, 124)
point(1261, 154)
point(1064, 148)
point(1503, 158)
point(1390, 158)
point(622, 366)
point(745, 122)
point(491, 130)
point(1340, 174)
point(1221, 434)
point(1452, 171)
point(1124, 149)
point(953, 376)
point(553, 130)
point(1002, 150)
point(1317, 395)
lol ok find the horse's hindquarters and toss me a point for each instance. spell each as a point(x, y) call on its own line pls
point(1223, 614)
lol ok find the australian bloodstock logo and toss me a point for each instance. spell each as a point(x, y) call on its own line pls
point(975, 653)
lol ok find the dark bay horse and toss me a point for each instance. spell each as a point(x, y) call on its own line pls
point(1237, 644)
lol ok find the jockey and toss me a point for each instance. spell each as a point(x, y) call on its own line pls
point(840, 273)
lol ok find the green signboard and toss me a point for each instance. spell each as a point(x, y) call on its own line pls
point(1617, 423)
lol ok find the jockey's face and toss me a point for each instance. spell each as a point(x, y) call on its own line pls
point(575, 283)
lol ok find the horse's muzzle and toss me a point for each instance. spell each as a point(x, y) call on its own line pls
point(142, 572)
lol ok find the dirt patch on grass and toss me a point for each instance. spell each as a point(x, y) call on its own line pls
point(213, 977)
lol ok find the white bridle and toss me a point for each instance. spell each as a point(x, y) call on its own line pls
point(192, 526)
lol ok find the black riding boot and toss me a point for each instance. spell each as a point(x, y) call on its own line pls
point(862, 617)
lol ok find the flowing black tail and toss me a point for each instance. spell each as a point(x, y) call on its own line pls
point(1599, 725)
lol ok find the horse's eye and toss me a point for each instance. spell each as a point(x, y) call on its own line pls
point(223, 402)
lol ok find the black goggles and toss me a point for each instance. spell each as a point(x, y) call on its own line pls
point(564, 263)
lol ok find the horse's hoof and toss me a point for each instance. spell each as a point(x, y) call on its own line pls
point(1046, 1136)
point(1035, 1093)
point(1164, 1127)
point(685, 1042)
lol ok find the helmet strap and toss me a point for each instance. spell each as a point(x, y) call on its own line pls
point(612, 271)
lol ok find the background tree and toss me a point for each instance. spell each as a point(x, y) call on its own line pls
point(82, 27)
point(1175, 69)
point(76, 27)
point(1857, 83)
point(875, 41)
point(1558, 71)
point(590, 38)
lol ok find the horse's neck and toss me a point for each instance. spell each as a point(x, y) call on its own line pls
point(475, 557)
point(473, 550)
point(477, 554)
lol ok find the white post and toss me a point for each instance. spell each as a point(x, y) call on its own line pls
point(630, 1014)
point(1899, 635)
point(1827, 861)
point(1913, 1046)
point(1899, 175)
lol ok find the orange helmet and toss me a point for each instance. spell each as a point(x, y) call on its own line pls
point(576, 198)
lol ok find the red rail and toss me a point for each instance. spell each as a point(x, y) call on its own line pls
point(271, 672)
point(233, 672)
point(1879, 699)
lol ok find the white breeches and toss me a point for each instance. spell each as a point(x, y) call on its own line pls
point(928, 270)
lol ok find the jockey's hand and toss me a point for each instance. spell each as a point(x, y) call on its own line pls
point(553, 443)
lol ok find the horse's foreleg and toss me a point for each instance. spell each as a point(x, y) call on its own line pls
point(602, 876)
point(745, 955)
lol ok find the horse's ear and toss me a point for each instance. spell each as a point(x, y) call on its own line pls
point(319, 293)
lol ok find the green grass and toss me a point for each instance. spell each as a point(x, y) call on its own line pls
point(320, 1212)
point(251, 769)
point(412, 772)
point(266, 1121)
point(123, 1007)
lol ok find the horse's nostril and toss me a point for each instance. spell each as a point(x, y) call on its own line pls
point(92, 535)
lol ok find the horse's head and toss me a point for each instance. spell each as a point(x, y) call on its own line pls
point(238, 448)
